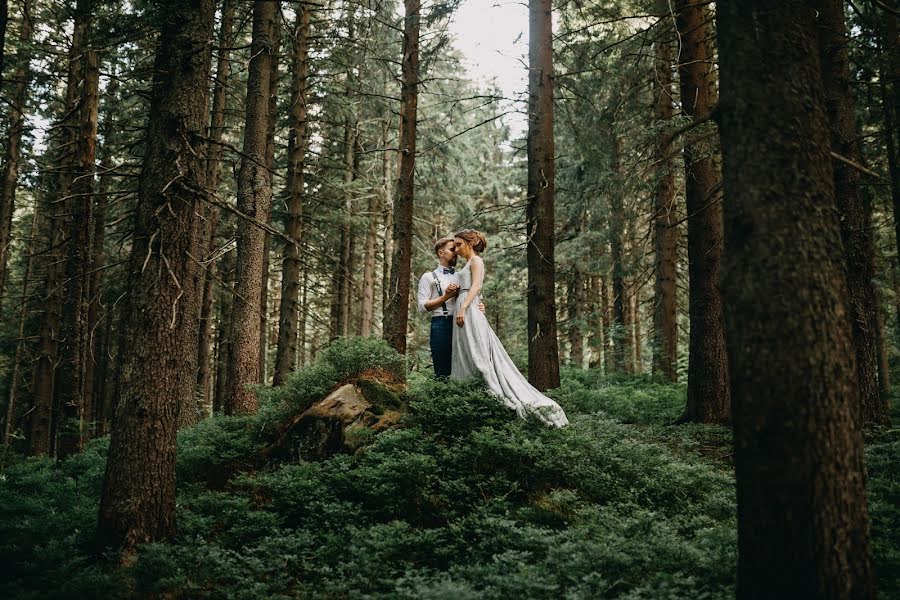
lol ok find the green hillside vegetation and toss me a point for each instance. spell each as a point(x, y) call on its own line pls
point(463, 500)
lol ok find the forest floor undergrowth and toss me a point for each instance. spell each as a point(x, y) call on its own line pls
point(463, 501)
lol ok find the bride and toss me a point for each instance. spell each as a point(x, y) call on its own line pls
point(477, 349)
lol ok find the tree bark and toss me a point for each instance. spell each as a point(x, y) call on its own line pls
point(856, 222)
point(223, 336)
point(165, 285)
point(71, 387)
point(638, 335)
point(889, 71)
point(628, 327)
point(607, 317)
point(396, 312)
point(254, 199)
point(575, 301)
point(8, 422)
point(213, 177)
point(97, 402)
point(803, 527)
point(47, 413)
point(367, 312)
point(345, 266)
point(665, 232)
point(618, 328)
point(597, 337)
point(270, 164)
point(288, 312)
point(387, 209)
point(708, 389)
point(889, 75)
point(543, 346)
point(10, 164)
point(4, 22)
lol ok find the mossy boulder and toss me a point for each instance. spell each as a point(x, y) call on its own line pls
point(345, 421)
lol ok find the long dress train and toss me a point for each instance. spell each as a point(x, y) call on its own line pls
point(477, 351)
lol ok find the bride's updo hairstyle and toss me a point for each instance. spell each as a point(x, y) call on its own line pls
point(473, 238)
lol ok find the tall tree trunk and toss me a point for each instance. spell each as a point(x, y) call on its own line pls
point(213, 177)
point(264, 306)
point(628, 328)
point(708, 392)
point(665, 231)
point(856, 222)
point(575, 296)
point(270, 164)
point(286, 351)
point(396, 312)
point(46, 401)
point(254, 199)
point(223, 335)
point(20, 339)
point(884, 370)
point(543, 346)
point(387, 209)
point(367, 312)
point(609, 362)
point(638, 335)
point(345, 267)
point(4, 22)
point(618, 330)
point(71, 387)
point(10, 164)
point(96, 402)
point(165, 287)
point(304, 318)
point(597, 337)
point(889, 71)
point(803, 529)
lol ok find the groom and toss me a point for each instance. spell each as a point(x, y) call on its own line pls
point(437, 294)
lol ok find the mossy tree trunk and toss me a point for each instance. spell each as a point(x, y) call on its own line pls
point(803, 529)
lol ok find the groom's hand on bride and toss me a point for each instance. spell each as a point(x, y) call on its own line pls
point(481, 307)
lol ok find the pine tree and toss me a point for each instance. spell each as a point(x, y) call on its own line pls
point(543, 346)
point(802, 519)
point(165, 287)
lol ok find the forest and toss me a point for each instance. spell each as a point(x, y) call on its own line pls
point(216, 378)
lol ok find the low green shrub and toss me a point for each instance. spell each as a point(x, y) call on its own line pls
point(464, 500)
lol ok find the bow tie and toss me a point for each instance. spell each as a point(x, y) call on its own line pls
point(449, 270)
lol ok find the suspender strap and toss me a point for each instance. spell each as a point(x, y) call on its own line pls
point(437, 282)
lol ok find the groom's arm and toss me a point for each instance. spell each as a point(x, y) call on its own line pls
point(424, 294)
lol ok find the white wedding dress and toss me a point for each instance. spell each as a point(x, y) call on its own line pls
point(477, 351)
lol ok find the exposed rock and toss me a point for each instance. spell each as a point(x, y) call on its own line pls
point(341, 423)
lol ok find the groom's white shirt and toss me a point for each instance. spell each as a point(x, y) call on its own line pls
point(428, 290)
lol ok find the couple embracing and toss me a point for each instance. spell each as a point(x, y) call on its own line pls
point(462, 341)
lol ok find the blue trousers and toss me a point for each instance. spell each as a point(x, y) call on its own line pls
point(441, 339)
